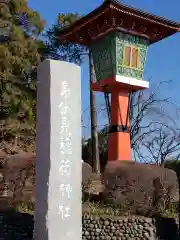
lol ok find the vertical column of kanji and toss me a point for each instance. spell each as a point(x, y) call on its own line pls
point(58, 164)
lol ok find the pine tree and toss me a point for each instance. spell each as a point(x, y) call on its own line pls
point(20, 53)
point(60, 50)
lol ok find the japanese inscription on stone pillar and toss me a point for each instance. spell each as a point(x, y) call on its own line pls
point(58, 171)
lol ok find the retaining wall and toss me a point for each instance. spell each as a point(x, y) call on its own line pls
point(129, 228)
point(18, 226)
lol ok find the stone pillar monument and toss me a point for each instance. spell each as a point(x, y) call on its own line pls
point(58, 212)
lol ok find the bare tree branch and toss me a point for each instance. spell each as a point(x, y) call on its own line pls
point(162, 145)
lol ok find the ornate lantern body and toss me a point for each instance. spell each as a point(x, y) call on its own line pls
point(118, 37)
point(120, 57)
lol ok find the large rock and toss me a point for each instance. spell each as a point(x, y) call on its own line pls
point(86, 175)
point(138, 186)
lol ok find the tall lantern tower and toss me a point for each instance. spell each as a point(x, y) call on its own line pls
point(118, 37)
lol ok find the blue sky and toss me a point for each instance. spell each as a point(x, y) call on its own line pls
point(163, 61)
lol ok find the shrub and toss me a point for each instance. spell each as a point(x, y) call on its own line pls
point(19, 170)
point(139, 188)
point(174, 165)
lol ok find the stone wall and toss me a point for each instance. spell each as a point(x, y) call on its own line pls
point(18, 226)
point(128, 228)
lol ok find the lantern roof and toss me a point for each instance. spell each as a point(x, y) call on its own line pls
point(113, 16)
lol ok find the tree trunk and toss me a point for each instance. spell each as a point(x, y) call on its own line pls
point(94, 132)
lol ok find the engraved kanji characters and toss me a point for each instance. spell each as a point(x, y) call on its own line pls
point(65, 170)
point(65, 188)
point(64, 211)
point(65, 146)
